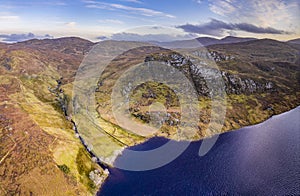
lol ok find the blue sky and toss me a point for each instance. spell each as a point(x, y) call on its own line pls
point(167, 19)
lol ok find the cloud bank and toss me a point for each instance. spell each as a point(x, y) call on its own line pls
point(266, 13)
point(22, 37)
point(146, 37)
point(218, 28)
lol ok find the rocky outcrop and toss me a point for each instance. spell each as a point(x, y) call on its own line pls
point(237, 85)
point(7, 64)
point(97, 177)
point(200, 73)
point(61, 97)
point(220, 57)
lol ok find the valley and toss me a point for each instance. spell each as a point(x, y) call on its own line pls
point(40, 153)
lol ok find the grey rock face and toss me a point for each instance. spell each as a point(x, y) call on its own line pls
point(200, 74)
point(7, 64)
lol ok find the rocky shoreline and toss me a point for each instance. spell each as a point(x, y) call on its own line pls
point(206, 137)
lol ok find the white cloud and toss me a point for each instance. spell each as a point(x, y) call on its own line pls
point(59, 3)
point(198, 1)
point(272, 12)
point(111, 21)
point(133, 1)
point(223, 7)
point(135, 10)
point(269, 13)
point(71, 24)
point(9, 17)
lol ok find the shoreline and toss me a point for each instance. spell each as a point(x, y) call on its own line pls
point(108, 167)
point(250, 152)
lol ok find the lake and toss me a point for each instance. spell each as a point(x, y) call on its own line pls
point(263, 159)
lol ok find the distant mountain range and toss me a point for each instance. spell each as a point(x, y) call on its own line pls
point(207, 41)
point(294, 41)
point(191, 43)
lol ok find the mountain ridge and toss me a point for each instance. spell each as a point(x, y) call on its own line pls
point(294, 41)
point(205, 41)
point(208, 41)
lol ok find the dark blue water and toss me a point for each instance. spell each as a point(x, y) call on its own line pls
point(259, 160)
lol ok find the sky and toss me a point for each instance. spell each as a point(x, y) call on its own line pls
point(148, 20)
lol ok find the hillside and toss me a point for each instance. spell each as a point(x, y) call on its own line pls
point(232, 39)
point(294, 41)
point(40, 152)
point(261, 79)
